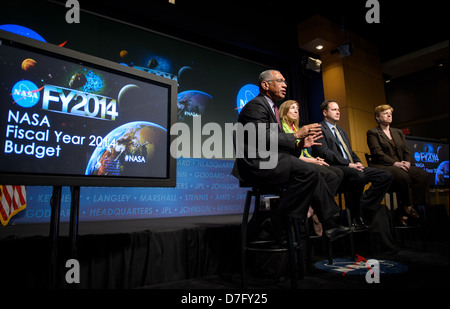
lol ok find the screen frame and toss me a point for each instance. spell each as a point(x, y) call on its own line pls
point(8, 178)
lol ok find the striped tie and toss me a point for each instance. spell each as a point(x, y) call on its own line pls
point(341, 141)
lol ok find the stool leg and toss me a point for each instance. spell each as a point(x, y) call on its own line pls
point(394, 233)
point(300, 261)
point(308, 243)
point(244, 224)
point(292, 259)
point(350, 236)
point(423, 223)
point(330, 251)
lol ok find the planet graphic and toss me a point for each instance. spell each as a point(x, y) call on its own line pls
point(428, 148)
point(153, 63)
point(94, 82)
point(133, 149)
point(28, 64)
point(23, 31)
point(128, 96)
point(123, 54)
point(78, 80)
point(441, 177)
point(192, 103)
point(185, 75)
point(128, 93)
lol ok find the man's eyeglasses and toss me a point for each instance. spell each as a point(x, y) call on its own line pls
point(279, 81)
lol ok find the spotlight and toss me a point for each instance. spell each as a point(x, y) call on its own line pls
point(386, 78)
point(345, 50)
point(313, 64)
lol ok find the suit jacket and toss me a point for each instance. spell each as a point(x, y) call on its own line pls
point(248, 169)
point(330, 149)
point(381, 149)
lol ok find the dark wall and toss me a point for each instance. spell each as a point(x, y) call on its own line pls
point(421, 102)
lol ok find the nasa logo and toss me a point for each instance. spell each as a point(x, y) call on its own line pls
point(25, 93)
point(417, 156)
point(245, 94)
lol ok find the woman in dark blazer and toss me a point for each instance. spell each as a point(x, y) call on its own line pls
point(390, 151)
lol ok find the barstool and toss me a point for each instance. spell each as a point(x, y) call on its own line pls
point(293, 247)
point(328, 244)
point(341, 197)
point(391, 197)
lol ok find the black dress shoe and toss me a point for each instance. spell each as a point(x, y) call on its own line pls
point(359, 225)
point(333, 231)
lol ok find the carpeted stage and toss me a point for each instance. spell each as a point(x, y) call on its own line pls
point(189, 253)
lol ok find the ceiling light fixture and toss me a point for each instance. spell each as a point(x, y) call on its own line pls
point(313, 64)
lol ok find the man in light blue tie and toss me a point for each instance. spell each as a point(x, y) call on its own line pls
point(335, 148)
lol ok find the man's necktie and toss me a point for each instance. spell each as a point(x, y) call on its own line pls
point(341, 141)
point(277, 115)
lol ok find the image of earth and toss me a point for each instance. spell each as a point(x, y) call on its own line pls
point(192, 103)
point(441, 177)
point(133, 149)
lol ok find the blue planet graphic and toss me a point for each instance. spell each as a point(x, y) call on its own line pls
point(130, 150)
point(192, 103)
point(441, 177)
point(23, 31)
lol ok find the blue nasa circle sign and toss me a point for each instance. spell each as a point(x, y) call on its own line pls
point(417, 156)
point(25, 93)
point(245, 94)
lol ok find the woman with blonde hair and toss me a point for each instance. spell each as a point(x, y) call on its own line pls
point(390, 152)
point(289, 117)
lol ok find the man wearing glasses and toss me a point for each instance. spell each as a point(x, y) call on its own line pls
point(304, 185)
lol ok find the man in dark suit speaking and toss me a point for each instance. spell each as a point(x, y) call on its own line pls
point(304, 185)
point(335, 149)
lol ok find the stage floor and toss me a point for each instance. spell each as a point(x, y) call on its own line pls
point(187, 253)
point(426, 270)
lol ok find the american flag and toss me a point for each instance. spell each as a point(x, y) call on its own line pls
point(12, 200)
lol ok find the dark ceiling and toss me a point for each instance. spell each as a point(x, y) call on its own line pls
point(269, 26)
